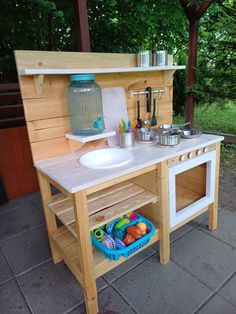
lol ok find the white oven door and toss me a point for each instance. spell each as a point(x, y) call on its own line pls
point(191, 187)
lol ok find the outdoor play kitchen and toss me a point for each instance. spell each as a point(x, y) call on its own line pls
point(100, 129)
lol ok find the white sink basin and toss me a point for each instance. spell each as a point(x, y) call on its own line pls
point(106, 158)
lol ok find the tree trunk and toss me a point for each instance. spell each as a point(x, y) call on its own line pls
point(192, 64)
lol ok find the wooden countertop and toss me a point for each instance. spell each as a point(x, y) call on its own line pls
point(72, 176)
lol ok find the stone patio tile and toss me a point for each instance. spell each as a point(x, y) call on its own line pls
point(128, 265)
point(228, 291)
point(5, 272)
point(15, 202)
point(217, 305)
point(207, 258)
point(110, 302)
point(11, 299)
point(175, 235)
point(52, 288)
point(27, 250)
point(226, 230)
point(35, 197)
point(199, 219)
point(18, 220)
point(153, 288)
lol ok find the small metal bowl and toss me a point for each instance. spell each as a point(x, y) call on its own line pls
point(191, 134)
point(146, 134)
point(168, 139)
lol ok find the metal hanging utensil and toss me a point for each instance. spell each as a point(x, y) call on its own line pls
point(139, 120)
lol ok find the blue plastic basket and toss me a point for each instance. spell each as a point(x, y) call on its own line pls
point(128, 250)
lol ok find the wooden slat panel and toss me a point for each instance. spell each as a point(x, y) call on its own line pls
point(55, 59)
point(51, 148)
point(10, 97)
point(185, 197)
point(11, 110)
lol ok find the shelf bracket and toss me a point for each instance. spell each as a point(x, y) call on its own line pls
point(39, 83)
point(168, 76)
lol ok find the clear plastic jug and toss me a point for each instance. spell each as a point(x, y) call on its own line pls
point(85, 105)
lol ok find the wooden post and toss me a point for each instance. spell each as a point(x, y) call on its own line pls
point(82, 26)
point(79, 200)
point(213, 208)
point(164, 229)
point(49, 215)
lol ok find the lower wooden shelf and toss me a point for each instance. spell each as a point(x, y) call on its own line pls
point(103, 206)
point(66, 244)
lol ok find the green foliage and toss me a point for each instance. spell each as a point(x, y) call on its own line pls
point(217, 55)
point(214, 118)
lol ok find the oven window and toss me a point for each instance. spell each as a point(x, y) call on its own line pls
point(190, 186)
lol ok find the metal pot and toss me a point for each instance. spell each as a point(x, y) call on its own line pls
point(147, 134)
point(169, 139)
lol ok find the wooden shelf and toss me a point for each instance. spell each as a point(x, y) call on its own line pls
point(66, 244)
point(89, 138)
point(103, 206)
point(99, 70)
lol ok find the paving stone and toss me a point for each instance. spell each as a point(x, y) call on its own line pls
point(11, 299)
point(228, 291)
point(226, 230)
point(110, 302)
point(207, 258)
point(5, 272)
point(217, 305)
point(154, 288)
point(180, 232)
point(20, 219)
point(27, 250)
point(14, 203)
point(52, 288)
point(128, 265)
point(35, 197)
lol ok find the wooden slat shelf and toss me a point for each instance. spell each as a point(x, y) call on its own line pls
point(66, 243)
point(103, 206)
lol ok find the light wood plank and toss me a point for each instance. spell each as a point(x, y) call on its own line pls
point(163, 193)
point(213, 208)
point(50, 218)
point(84, 246)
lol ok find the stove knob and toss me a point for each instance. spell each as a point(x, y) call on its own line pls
point(190, 155)
point(205, 150)
point(182, 158)
point(199, 152)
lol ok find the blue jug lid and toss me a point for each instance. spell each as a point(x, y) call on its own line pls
point(82, 77)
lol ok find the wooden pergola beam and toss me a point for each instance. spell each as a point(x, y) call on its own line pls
point(82, 26)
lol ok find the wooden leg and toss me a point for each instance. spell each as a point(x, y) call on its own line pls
point(213, 208)
point(49, 215)
point(85, 249)
point(164, 228)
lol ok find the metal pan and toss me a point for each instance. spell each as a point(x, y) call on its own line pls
point(191, 134)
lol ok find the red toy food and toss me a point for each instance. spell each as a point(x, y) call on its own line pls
point(135, 232)
point(128, 239)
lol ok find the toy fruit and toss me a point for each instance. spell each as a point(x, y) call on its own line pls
point(121, 223)
point(128, 239)
point(135, 232)
point(142, 226)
